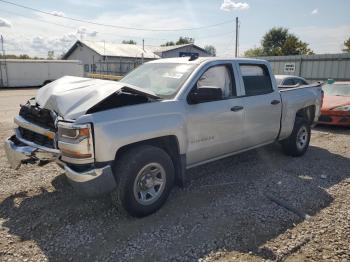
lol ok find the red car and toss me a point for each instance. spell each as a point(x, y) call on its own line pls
point(336, 104)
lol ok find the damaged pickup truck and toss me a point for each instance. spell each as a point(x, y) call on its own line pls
point(135, 138)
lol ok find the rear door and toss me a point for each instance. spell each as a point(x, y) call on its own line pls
point(262, 105)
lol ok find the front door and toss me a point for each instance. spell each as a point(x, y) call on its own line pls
point(215, 128)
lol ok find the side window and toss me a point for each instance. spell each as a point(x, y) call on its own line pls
point(256, 79)
point(219, 76)
point(86, 68)
point(289, 82)
point(300, 82)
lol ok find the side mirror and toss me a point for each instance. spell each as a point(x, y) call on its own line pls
point(205, 94)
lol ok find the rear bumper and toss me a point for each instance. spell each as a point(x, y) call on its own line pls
point(89, 182)
point(339, 120)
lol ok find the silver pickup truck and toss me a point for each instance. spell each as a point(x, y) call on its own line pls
point(136, 138)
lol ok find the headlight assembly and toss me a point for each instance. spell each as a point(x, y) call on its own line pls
point(342, 108)
point(75, 141)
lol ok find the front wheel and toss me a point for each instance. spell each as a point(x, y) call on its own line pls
point(145, 176)
point(298, 142)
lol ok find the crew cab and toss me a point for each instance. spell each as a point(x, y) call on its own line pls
point(135, 138)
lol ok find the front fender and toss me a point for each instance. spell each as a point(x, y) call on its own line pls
point(119, 127)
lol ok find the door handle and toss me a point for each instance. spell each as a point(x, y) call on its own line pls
point(236, 108)
point(275, 102)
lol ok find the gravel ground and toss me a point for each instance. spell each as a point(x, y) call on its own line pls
point(259, 205)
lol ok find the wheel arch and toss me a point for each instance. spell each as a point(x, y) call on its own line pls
point(288, 121)
point(170, 144)
point(307, 113)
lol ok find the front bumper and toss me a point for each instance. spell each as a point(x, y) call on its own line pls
point(330, 119)
point(90, 181)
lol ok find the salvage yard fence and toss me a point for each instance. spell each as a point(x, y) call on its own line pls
point(312, 67)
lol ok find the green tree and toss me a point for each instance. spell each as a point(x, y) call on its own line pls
point(169, 43)
point(254, 52)
point(22, 56)
point(184, 40)
point(50, 55)
point(347, 46)
point(278, 41)
point(273, 41)
point(293, 46)
point(130, 42)
point(210, 49)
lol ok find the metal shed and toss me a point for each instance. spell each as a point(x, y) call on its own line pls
point(109, 58)
point(180, 51)
point(312, 67)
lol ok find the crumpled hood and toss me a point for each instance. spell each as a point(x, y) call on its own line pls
point(70, 96)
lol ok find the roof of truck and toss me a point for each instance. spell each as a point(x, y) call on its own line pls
point(203, 59)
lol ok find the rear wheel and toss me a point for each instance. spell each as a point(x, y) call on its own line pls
point(145, 176)
point(298, 142)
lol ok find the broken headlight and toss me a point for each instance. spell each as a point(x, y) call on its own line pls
point(75, 141)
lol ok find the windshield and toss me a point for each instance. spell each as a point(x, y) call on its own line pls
point(337, 89)
point(161, 78)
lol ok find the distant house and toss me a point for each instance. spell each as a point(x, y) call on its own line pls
point(180, 51)
point(108, 58)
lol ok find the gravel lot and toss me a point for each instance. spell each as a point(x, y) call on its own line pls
point(260, 205)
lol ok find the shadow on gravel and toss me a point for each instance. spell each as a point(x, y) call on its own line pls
point(236, 204)
point(341, 130)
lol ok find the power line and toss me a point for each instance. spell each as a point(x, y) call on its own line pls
point(115, 26)
point(75, 28)
point(105, 33)
point(36, 19)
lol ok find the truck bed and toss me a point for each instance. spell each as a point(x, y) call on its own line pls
point(295, 98)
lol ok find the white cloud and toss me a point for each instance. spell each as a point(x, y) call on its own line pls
point(229, 5)
point(314, 12)
point(35, 38)
point(4, 23)
point(83, 31)
point(57, 13)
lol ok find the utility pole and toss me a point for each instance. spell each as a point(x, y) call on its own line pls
point(4, 81)
point(236, 45)
point(143, 48)
point(1, 77)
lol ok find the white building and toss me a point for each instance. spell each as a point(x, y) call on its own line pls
point(180, 51)
point(119, 59)
point(108, 58)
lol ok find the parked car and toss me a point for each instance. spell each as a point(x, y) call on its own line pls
point(288, 81)
point(135, 138)
point(336, 104)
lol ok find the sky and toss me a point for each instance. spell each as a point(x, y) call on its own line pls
point(324, 24)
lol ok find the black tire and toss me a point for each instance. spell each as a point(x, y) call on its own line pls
point(293, 146)
point(127, 169)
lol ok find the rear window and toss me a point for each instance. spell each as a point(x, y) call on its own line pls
point(289, 82)
point(256, 79)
